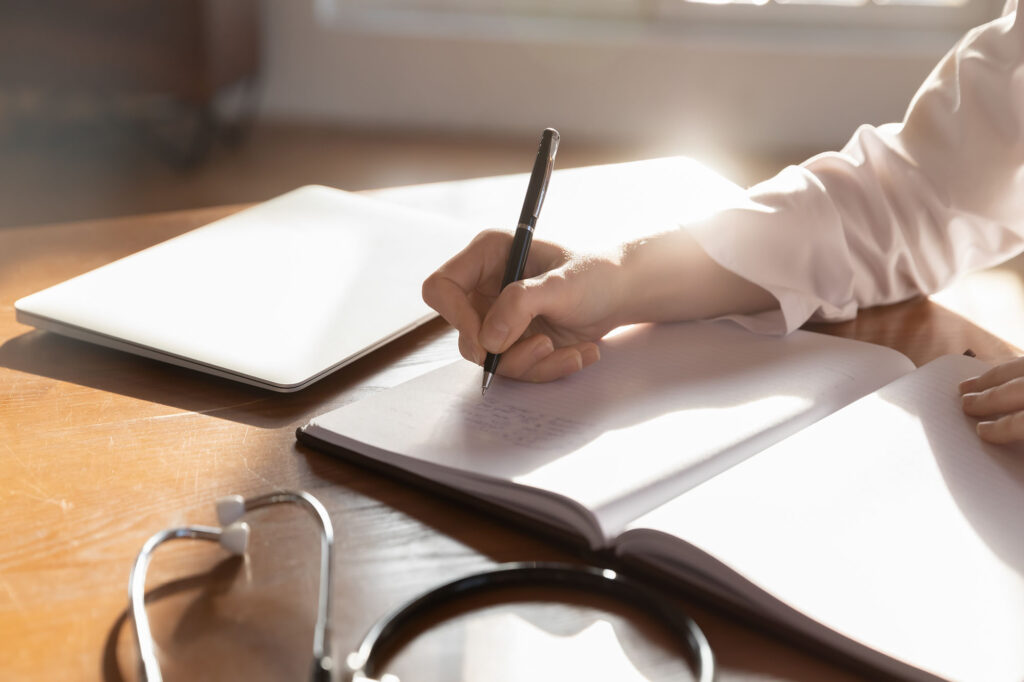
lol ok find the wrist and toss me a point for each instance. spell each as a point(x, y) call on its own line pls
point(669, 277)
point(652, 281)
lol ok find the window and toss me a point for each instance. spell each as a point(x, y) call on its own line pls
point(665, 15)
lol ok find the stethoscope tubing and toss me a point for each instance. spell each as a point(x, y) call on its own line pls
point(363, 664)
point(137, 590)
point(233, 536)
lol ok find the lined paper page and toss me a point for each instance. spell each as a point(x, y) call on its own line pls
point(890, 522)
point(666, 407)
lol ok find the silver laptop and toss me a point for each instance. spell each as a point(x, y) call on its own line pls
point(278, 295)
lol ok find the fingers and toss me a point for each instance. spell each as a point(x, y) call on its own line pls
point(477, 267)
point(536, 359)
point(473, 276)
point(449, 290)
point(999, 374)
point(997, 398)
point(1003, 430)
point(996, 401)
point(514, 310)
point(457, 309)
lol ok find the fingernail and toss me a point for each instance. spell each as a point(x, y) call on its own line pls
point(573, 363)
point(493, 335)
point(543, 349)
point(590, 355)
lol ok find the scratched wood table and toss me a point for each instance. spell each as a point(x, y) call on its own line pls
point(100, 449)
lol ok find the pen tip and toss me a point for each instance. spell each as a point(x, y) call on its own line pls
point(486, 383)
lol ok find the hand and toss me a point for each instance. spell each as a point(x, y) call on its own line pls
point(544, 325)
point(997, 398)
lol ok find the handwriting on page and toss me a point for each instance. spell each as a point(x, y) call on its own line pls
point(519, 426)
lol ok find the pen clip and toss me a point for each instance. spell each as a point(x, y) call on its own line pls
point(539, 178)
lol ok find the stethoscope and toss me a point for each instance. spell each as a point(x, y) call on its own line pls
point(363, 664)
point(233, 536)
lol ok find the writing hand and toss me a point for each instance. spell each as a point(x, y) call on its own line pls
point(997, 398)
point(544, 325)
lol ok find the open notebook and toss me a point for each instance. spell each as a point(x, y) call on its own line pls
point(820, 482)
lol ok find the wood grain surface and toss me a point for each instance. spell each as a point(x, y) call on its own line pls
point(100, 449)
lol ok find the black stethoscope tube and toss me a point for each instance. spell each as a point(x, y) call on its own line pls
point(364, 662)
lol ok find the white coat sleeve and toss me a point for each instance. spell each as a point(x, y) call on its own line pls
point(903, 208)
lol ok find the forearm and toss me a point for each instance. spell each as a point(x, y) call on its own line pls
point(669, 277)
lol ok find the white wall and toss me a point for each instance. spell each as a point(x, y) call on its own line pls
point(762, 90)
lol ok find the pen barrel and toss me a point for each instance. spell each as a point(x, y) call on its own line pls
point(491, 363)
point(520, 249)
point(517, 255)
point(514, 268)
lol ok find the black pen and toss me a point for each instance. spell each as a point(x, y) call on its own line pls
point(535, 192)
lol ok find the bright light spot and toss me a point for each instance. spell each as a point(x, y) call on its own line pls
point(985, 297)
point(507, 648)
point(641, 454)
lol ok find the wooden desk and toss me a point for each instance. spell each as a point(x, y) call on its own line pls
point(100, 449)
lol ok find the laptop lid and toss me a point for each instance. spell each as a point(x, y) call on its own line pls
point(277, 295)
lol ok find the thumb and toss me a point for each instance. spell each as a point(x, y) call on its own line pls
point(516, 307)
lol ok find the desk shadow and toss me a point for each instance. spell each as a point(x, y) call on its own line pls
point(215, 637)
point(210, 582)
point(50, 355)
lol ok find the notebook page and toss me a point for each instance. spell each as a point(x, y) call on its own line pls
point(667, 406)
point(889, 522)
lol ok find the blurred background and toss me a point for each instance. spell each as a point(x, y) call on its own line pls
point(117, 107)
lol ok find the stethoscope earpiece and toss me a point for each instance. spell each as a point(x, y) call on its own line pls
point(235, 538)
point(230, 508)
